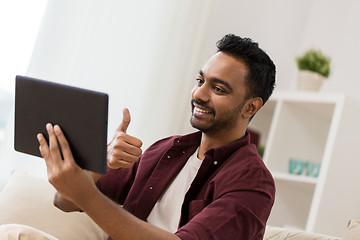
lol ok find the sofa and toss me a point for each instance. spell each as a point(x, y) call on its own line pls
point(27, 200)
point(277, 233)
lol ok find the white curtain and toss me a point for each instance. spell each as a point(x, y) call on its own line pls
point(144, 54)
point(19, 26)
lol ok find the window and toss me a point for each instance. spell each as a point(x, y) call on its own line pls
point(19, 24)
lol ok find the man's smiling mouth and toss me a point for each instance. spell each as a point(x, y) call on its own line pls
point(196, 109)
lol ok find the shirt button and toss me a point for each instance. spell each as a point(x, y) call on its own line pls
point(168, 156)
point(150, 188)
point(184, 152)
point(215, 162)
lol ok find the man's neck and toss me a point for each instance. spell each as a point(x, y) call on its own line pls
point(209, 141)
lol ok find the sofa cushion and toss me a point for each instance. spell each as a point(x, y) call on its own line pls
point(277, 233)
point(28, 200)
point(353, 230)
point(22, 232)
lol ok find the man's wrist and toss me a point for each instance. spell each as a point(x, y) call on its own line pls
point(95, 176)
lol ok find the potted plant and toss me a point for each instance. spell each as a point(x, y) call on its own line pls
point(314, 67)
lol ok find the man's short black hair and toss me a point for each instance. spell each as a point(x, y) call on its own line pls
point(261, 69)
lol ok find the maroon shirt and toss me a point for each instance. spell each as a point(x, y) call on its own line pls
point(230, 197)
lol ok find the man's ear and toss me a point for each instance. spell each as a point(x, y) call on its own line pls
point(251, 107)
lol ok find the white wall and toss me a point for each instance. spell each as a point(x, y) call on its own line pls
point(277, 25)
point(333, 26)
point(285, 29)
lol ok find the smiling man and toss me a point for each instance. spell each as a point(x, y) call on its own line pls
point(211, 184)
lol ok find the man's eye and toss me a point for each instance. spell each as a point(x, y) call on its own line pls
point(219, 90)
point(200, 81)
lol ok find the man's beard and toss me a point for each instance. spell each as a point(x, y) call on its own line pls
point(227, 121)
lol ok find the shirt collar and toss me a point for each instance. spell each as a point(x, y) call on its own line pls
point(188, 140)
point(221, 153)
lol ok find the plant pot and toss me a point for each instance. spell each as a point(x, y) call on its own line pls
point(309, 81)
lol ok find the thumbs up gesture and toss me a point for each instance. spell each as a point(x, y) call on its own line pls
point(124, 149)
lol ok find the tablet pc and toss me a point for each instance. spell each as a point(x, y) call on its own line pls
point(82, 114)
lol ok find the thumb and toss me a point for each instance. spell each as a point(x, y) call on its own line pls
point(125, 121)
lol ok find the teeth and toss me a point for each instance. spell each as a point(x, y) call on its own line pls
point(201, 110)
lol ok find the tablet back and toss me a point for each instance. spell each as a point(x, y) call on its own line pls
point(82, 114)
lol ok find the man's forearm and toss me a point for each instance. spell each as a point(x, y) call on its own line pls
point(119, 223)
point(65, 204)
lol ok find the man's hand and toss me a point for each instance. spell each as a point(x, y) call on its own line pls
point(124, 149)
point(64, 174)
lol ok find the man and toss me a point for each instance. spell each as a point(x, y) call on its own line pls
point(211, 184)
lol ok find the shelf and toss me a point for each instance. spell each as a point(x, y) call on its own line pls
point(300, 132)
point(294, 178)
point(293, 200)
point(311, 127)
point(312, 97)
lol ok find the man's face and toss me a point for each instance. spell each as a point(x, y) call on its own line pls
point(219, 95)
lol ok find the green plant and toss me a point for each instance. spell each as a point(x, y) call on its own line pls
point(261, 150)
point(316, 61)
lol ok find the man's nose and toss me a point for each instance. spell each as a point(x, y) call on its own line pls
point(201, 93)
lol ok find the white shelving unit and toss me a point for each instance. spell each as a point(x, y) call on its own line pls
point(321, 128)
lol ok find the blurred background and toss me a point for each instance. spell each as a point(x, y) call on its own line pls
point(146, 54)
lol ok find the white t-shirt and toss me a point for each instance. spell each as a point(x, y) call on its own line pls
point(167, 210)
